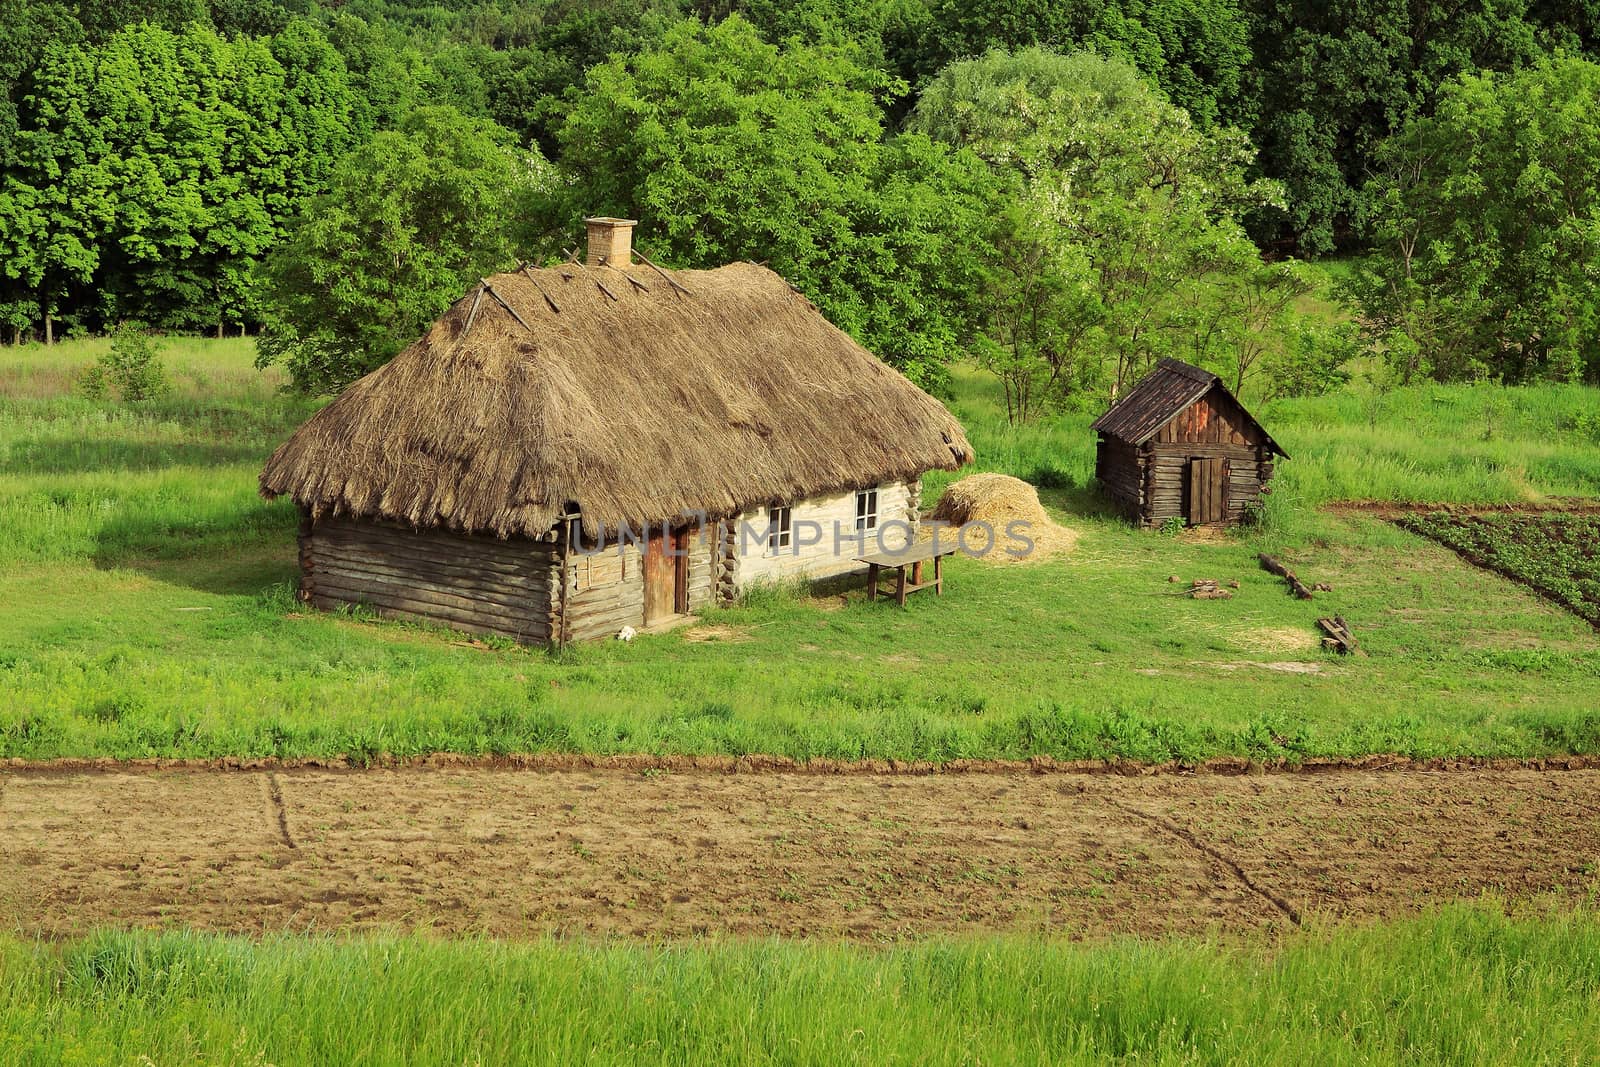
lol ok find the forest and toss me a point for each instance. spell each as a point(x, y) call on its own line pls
point(1062, 193)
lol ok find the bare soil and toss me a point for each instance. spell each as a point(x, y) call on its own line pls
point(662, 854)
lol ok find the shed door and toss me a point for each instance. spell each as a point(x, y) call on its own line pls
point(1208, 490)
point(660, 578)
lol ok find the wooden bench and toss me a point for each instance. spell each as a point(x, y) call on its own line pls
point(909, 559)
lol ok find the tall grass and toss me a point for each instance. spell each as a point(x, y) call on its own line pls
point(1466, 985)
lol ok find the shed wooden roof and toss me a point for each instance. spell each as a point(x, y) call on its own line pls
point(635, 396)
point(1161, 396)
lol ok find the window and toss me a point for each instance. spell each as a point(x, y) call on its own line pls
point(866, 509)
point(779, 536)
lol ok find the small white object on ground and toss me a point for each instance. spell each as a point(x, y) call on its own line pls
point(626, 633)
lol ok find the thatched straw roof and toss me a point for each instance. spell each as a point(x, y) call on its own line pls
point(637, 402)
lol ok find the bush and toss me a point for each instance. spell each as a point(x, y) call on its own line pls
point(132, 370)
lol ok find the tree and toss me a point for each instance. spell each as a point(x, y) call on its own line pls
point(729, 148)
point(1333, 79)
point(410, 221)
point(1486, 222)
point(1196, 51)
point(152, 170)
point(1119, 228)
point(1238, 320)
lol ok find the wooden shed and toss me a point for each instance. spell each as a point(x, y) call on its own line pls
point(1179, 445)
point(575, 449)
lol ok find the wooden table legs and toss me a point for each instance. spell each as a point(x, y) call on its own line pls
point(908, 578)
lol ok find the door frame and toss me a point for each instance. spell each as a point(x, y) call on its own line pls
point(682, 538)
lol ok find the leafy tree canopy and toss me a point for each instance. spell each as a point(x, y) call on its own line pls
point(1119, 240)
point(409, 222)
point(1486, 223)
point(728, 147)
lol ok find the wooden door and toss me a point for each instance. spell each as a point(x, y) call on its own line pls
point(1208, 490)
point(660, 579)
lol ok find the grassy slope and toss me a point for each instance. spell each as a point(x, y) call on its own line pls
point(150, 609)
point(1466, 985)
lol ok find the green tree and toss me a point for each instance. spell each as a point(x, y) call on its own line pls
point(1333, 79)
point(1486, 224)
point(727, 147)
point(1119, 234)
point(1196, 51)
point(152, 170)
point(410, 220)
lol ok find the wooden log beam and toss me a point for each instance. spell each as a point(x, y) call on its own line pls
point(1296, 586)
point(503, 302)
point(548, 299)
point(670, 279)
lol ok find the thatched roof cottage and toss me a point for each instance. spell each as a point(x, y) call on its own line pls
point(484, 477)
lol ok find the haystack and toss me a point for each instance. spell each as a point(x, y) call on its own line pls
point(997, 500)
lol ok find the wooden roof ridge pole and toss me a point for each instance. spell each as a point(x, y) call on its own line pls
point(635, 282)
point(505, 304)
point(670, 279)
point(473, 314)
point(548, 299)
point(572, 258)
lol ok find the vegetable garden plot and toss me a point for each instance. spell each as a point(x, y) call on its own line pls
point(1557, 555)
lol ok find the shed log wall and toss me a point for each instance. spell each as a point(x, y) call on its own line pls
point(1120, 468)
point(476, 584)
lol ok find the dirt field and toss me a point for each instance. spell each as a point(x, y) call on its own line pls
point(517, 854)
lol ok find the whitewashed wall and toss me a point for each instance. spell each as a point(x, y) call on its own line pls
point(896, 501)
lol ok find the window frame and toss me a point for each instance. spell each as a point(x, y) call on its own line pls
point(863, 513)
point(780, 528)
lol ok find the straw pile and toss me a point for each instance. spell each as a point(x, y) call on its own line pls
point(998, 500)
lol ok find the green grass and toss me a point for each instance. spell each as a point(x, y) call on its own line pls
point(149, 609)
point(1466, 985)
point(1559, 555)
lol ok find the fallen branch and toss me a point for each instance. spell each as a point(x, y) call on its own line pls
point(1296, 586)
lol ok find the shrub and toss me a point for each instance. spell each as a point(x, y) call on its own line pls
point(132, 370)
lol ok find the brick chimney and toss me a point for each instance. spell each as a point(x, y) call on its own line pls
point(610, 242)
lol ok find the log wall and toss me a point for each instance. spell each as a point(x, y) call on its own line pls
point(605, 586)
point(477, 584)
point(1119, 467)
point(605, 591)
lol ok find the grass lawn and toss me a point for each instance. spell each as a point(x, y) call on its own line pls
point(1463, 985)
point(150, 608)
